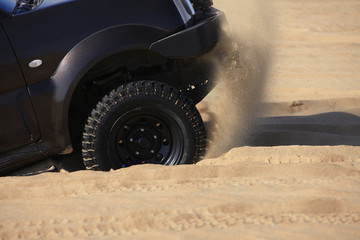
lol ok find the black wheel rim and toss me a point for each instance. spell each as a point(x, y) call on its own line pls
point(145, 136)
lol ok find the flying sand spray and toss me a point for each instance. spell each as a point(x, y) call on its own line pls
point(241, 74)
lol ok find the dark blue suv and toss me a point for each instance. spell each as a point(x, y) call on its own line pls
point(115, 79)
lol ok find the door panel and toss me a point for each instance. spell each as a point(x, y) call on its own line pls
point(18, 125)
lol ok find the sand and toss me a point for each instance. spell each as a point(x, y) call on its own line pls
point(295, 174)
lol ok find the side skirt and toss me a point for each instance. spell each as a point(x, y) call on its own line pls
point(20, 157)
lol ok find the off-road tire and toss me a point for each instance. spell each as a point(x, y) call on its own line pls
point(143, 122)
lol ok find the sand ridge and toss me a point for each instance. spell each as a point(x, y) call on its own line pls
point(239, 190)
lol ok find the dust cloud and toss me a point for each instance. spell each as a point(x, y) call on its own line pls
point(230, 110)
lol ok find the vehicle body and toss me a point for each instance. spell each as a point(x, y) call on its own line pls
point(60, 57)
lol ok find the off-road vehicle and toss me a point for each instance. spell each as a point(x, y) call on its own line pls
point(116, 79)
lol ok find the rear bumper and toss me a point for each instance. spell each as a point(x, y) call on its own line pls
point(193, 41)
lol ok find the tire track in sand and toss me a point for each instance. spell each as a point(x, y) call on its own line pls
point(143, 221)
point(113, 185)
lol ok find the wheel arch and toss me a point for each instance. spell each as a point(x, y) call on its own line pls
point(97, 47)
point(74, 66)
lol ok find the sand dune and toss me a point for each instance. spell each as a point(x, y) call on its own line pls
point(293, 173)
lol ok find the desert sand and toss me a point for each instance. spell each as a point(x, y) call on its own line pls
point(285, 155)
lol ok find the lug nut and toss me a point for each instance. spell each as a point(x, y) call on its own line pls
point(159, 156)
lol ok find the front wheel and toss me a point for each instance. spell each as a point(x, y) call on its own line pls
point(143, 122)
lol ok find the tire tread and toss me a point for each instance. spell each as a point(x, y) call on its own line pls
point(129, 90)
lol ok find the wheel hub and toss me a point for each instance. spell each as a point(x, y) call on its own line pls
point(143, 142)
point(143, 139)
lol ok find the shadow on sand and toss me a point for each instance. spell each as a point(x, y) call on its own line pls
point(333, 128)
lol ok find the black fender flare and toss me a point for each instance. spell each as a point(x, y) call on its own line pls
point(55, 136)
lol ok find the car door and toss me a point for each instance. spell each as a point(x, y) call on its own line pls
point(18, 125)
